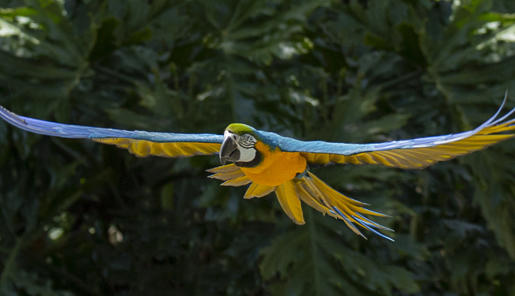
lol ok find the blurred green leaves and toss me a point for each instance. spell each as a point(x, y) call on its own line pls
point(79, 218)
point(319, 253)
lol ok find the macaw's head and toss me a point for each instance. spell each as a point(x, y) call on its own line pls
point(239, 145)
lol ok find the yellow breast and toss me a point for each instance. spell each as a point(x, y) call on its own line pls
point(276, 166)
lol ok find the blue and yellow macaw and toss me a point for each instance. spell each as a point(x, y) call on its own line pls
point(273, 163)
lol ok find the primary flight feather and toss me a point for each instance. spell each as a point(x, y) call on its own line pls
point(268, 162)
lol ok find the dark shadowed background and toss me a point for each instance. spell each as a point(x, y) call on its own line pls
point(81, 218)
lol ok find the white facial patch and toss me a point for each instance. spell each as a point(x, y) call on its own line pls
point(245, 145)
point(247, 154)
point(247, 141)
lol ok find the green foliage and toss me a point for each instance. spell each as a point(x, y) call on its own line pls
point(79, 218)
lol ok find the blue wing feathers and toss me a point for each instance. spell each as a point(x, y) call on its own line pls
point(87, 132)
point(294, 145)
point(272, 139)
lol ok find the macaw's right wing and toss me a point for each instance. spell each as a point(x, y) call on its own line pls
point(140, 143)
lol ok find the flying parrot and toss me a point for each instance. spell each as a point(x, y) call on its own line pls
point(268, 162)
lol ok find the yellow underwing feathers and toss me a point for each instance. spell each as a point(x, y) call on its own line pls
point(143, 148)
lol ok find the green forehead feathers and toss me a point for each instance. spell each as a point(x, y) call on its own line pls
point(240, 128)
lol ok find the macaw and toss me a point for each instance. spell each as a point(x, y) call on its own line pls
point(273, 163)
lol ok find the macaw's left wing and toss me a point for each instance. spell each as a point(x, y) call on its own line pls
point(407, 154)
point(140, 143)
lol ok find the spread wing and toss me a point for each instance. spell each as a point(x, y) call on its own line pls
point(407, 154)
point(140, 143)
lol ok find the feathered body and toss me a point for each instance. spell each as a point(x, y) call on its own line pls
point(273, 163)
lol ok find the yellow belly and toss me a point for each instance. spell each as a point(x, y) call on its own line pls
point(276, 166)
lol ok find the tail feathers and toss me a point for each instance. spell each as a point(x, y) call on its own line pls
point(240, 181)
point(312, 191)
point(234, 176)
point(228, 168)
point(257, 190)
point(231, 174)
point(290, 202)
point(326, 200)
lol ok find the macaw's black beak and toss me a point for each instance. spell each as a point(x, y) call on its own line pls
point(229, 151)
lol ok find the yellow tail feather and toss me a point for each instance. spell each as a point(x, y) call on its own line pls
point(312, 191)
point(256, 190)
point(320, 196)
point(240, 181)
point(225, 172)
point(290, 202)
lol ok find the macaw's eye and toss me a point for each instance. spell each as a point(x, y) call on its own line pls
point(247, 141)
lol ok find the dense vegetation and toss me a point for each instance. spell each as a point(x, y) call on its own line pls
point(80, 218)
